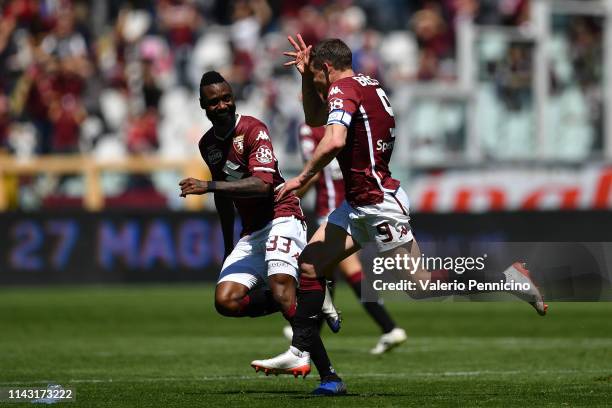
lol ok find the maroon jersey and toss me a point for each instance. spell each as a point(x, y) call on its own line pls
point(247, 151)
point(330, 186)
point(360, 104)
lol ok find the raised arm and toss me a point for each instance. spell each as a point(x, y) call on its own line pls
point(315, 109)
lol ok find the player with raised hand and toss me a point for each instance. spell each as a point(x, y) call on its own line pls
point(259, 275)
point(329, 189)
point(360, 133)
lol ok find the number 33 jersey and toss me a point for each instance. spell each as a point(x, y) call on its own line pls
point(244, 152)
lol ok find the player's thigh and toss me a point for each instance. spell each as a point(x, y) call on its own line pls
point(244, 266)
point(329, 245)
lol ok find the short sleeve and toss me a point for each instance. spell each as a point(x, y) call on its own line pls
point(262, 161)
point(343, 101)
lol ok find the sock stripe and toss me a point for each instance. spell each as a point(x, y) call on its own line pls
point(312, 284)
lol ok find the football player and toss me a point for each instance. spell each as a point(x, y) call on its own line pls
point(360, 133)
point(260, 273)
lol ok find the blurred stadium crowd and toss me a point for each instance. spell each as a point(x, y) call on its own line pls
point(116, 77)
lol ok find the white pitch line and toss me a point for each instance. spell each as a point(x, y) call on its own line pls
point(357, 375)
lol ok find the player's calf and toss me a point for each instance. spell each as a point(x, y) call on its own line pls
point(283, 287)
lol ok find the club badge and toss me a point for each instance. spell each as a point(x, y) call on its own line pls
point(239, 143)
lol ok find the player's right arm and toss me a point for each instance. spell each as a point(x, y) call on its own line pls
point(315, 109)
point(225, 209)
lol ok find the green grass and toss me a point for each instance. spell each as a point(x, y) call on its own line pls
point(166, 347)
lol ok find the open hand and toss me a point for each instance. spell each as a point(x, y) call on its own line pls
point(301, 55)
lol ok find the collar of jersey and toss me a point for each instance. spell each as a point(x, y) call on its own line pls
point(238, 116)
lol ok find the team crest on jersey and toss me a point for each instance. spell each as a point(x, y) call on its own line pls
point(335, 90)
point(239, 143)
point(214, 155)
point(262, 136)
point(264, 155)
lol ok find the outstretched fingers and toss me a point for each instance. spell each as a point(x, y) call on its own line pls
point(302, 44)
point(294, 43)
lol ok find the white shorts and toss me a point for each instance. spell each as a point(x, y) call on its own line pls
point(385, 223)
point(283, 239)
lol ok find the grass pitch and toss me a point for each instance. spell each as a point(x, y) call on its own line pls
point(166, 347)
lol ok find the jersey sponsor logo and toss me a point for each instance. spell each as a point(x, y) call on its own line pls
point(214, 155)
point(262, 136)
point(264, 155)
point(239, 144)
point(336, 103)
point(365, 80)
point(384, 146)
point(335, 90)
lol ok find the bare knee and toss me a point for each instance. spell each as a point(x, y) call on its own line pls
point(226, 306)
point(227, 300)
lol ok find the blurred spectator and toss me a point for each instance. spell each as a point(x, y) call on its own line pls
point(142, 133)
point(5, 121)
point(513, 77)
point(179, 20)
point(586, 50)
point(434, 40)
point(248, 20)
point(66, 115)
point(366, 59)
point(503, 12)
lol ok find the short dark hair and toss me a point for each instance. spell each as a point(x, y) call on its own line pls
point(211, 77)
point(334, 51)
